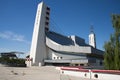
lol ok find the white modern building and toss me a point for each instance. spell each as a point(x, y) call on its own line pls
point(49, 47)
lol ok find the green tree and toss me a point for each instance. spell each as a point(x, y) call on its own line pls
point(112, 47)
point(109, 53)
point(116, 26)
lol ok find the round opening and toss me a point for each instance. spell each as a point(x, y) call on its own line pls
point(96, 76)
point(85, 74)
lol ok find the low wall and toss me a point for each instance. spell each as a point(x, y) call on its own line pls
point(91, 74)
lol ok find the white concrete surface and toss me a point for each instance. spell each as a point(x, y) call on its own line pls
point(38, 50)
point(91, 75)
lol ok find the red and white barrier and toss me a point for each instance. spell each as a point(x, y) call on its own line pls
point(91, 74)
point(28, 62)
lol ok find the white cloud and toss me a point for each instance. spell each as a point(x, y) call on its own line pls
point(13, 36)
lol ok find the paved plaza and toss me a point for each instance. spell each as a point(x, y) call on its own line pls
point(33, 73)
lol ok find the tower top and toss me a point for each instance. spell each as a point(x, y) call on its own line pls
point(91, 29)
point(92, 38)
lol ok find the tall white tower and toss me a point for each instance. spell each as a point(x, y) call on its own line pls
point(38, 51)
point(92, 38)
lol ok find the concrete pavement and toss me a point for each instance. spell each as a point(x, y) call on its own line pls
point(32, 73)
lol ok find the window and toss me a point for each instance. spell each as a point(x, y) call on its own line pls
point(46, 23)
point(46, 29)
point(76, 64)
point(47, 13)
point(101, 63)
point(48, 8)
point(47, 18)
point(81, 64)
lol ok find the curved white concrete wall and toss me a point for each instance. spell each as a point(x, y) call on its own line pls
point(66, 55)
point(74, 49)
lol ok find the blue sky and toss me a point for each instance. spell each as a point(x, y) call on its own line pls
point(68, 17)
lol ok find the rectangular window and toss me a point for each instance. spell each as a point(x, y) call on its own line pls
point(47, 18)
point(48, 8)
point(46, 23)
point(46, 29)
point(47, 13)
